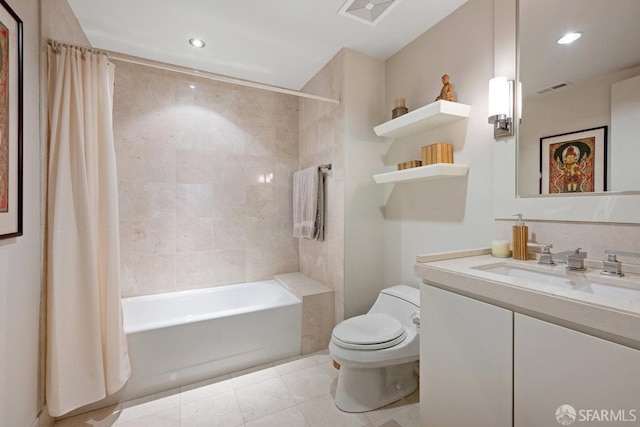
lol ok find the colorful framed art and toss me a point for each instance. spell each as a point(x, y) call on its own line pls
point(11, 114)
point(574, 162)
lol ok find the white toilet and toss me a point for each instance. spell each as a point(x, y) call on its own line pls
point(377, 351)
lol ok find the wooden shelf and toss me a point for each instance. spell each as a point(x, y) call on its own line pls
point(428, 117)
point(429, 172)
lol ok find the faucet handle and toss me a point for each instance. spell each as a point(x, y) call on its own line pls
point(578, 253)
point(546, 247)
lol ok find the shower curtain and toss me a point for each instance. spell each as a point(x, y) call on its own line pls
point(86, 346)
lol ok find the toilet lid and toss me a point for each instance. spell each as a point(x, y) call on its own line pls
point(369, 332)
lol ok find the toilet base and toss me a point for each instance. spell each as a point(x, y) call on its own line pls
point(366, 389)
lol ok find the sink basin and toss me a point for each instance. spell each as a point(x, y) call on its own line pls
point(579, 282)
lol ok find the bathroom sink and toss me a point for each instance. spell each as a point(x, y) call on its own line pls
point(577, 281)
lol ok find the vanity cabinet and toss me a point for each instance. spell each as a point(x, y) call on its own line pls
point(465, 361)
point(484, 365)
point(556, 366)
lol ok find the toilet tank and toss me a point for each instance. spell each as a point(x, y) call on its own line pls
point(399, 302)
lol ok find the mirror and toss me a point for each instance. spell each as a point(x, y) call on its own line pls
point(570, 91)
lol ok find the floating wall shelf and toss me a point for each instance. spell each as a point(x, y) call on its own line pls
point(428, 117)
point(421, 173)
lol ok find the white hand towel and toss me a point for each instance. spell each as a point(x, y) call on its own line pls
point(305, 202)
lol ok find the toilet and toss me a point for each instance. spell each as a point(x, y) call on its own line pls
point(377, 351)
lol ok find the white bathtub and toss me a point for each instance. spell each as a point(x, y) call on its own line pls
point(183, 337)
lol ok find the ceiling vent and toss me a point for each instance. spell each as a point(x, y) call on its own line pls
point(555, 87)
point(368, 12)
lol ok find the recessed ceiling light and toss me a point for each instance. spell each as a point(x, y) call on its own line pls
point(197, 43)
point(192, 86)
point(569, 38)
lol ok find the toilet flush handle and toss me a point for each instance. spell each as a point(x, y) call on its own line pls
point(415, 319)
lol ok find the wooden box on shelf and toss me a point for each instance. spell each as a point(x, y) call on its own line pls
point(437, 153)
point(409, 164)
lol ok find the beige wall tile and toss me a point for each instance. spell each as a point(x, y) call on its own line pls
point(154, 201)
point(154, 274)
point(322, 140)
point(194, 200)
point(194, 234)
point(190, 166)
point(155, 236)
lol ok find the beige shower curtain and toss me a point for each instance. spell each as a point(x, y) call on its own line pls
point(86, 347)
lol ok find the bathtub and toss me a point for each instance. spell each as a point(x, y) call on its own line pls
point(183, 337)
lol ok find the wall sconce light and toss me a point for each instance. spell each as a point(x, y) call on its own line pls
point(501, 107)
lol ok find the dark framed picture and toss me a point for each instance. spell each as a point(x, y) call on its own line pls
point(11, 63)
point(574, 162)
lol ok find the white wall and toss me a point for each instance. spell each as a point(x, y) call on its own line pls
point(625, 127)
point(364, 153)
point(20, 258)
point(434, 216)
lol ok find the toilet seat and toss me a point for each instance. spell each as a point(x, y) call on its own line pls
point(373, 331)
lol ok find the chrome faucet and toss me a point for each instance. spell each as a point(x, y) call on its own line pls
point(574, 259)
point(613, 267)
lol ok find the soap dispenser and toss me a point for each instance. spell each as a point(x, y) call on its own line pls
point(520, 239)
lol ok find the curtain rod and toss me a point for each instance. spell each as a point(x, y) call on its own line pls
point(213, 76)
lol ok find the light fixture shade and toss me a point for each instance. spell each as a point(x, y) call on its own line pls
point(499, 97)
point(501, 106)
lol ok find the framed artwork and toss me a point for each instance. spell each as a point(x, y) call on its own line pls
point(11, 63)
point(574, 162)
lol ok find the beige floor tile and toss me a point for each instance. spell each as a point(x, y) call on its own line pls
point(322, 356)
point(105, 417)
point(166, 418)
point(149, 405)
point(251, 370)
point(387, 411)
point(205, 389)
point(219, 410)
point(291, 417)
point(258, 397)
point(408, 416)
point(253, 375)
point(264, 398)
point(308, 383)
point(330, 369)
point(322, 412)
point(294, 365)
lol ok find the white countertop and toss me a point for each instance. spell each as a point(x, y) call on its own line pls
point(615, 319)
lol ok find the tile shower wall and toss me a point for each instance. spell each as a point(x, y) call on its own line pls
point(205, 181)
point(322, 140)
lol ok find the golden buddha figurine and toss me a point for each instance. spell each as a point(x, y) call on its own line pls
point(446, 93)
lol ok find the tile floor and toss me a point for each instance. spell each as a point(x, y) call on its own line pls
point(296, 392)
